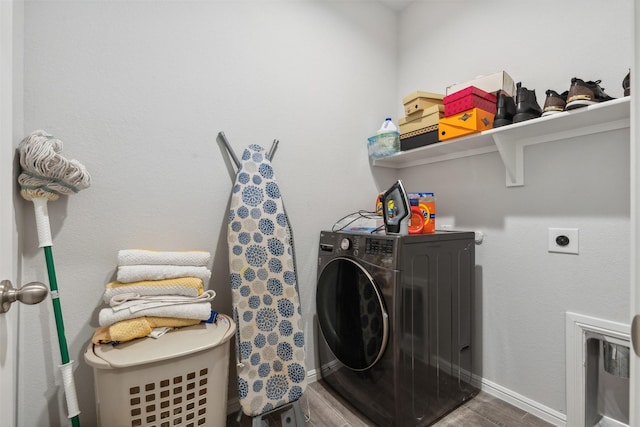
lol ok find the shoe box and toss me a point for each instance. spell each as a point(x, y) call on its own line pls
point(419, 138)
point(491, 83)
point(468, 98)
point(418, 101)
point(470, 108)
point(465, 123)
point(421, 119)
point(420, 125)
point(467, 111)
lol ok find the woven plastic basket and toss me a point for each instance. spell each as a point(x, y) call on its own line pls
point(179, 379)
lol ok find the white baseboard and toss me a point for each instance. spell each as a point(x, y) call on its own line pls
point(519, 401)
point(312, 376)
point(549, 415)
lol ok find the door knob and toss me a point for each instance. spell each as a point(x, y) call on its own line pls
point(31, 293)
point(635, 334)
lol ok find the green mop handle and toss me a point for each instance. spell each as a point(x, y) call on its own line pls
point(67, 366)
point(57, 310)
point(45, 242)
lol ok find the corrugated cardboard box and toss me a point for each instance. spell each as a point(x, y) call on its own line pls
point(427, 117)
point(418, 101)
point(493, 83)
point(468, 98)
point(465, 123)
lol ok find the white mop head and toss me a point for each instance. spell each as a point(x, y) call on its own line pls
point(45, 173)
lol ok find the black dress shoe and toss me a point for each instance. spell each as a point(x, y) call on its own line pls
point(505, 110)
point(626, 84)
point(527, 106)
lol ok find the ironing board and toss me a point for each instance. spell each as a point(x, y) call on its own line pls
point(266, 304)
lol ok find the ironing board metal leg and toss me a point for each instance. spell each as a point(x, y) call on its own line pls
point(300, 421)
point(259, 422)
point(225, 141)
point(272, 150)
point(293, 416)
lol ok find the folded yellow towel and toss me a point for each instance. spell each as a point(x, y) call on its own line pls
point(185, 286)
point(128, 330)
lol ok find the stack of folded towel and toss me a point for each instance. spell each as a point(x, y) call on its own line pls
point(155, 291)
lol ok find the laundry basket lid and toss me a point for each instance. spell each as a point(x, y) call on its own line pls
point(180, 342)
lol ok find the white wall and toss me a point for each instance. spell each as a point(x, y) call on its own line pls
point(138, 92)
point(582, 182)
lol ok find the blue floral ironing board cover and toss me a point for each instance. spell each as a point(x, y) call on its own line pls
point(266, 304)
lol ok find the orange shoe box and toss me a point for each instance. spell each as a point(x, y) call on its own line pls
point(465, 123)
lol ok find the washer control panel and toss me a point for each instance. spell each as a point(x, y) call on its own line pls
point(375, 246)
point(379, 251)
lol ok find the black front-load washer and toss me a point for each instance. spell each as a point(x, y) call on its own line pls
point(394, 323)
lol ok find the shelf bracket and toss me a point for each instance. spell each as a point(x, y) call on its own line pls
point(512, 154)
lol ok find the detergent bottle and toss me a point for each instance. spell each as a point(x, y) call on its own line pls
point(387, 127)
point(385, 142)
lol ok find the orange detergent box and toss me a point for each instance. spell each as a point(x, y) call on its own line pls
point(465, 123)
point(468, 98)
point(423, 209)
point(418, 101)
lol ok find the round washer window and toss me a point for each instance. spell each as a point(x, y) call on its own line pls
point(351, 314)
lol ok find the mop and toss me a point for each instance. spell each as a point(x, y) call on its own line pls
point(46, 175)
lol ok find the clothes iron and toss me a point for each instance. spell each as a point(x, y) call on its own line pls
point(396, 210)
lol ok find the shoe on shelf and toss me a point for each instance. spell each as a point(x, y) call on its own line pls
point(626, 84)
point(583, 93)
point(505, 110)
point(527, 106)
point(554, 103)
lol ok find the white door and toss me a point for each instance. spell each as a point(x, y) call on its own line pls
point(635, 218)
point(8, 232)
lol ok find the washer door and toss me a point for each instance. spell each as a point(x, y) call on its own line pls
point(351, 314)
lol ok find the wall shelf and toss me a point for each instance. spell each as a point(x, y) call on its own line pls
point(510, 140)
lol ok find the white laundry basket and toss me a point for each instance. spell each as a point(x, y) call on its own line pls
point(179, 379)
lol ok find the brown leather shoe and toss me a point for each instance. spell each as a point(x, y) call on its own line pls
point(554, 103)
point(583, 93)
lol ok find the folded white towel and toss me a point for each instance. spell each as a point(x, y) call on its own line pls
point(150, 257)
point(135, 302)
point(199, 311)
point(137, 273)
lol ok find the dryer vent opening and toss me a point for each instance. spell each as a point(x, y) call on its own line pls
point(598, 356)
point(607, 381)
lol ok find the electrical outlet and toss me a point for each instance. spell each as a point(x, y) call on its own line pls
point(563, 240)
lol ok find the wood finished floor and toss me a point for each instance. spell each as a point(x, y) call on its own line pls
point(327, 410)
